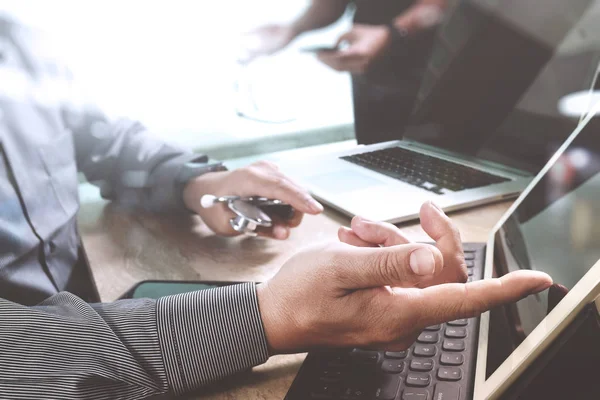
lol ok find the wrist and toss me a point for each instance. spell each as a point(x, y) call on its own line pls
point(397, 33)
point(277, 340)
point(197, 187)
point(192, 179)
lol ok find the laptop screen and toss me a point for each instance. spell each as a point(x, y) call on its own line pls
point(498, 74)
point(555, 229)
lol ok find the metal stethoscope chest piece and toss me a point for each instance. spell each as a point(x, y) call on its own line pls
point(248, 214)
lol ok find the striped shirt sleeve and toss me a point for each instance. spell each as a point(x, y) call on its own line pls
point(210, 334)
point(68, 349)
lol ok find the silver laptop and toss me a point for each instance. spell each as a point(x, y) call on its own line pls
point(469, 144)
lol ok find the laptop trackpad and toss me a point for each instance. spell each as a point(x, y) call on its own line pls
point(344, 181)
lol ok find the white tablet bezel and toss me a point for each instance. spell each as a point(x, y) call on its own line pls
point(584, 292)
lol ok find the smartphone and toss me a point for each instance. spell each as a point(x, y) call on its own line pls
point(316, 49)
point(153, 289)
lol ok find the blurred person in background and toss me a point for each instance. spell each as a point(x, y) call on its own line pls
point(386, 52)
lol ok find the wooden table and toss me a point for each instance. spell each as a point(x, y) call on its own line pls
point(125, 248)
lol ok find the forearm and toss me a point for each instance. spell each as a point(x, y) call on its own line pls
point(66, 348)
point(127, 162)
point(319, 14)
point(424, 15)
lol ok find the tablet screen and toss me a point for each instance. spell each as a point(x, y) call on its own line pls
point(555, 229)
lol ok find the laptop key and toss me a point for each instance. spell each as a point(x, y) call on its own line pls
point(392, 366)
point(421, 350)
point(353, 393)
point(332, 375)
point(415, 394)
point(456, 333)
point(433, 328)
point(449, 374)
point(421, 365)
point(469, 255)
point(428, 338)
point(418, 380)
point(470, 263)
point(453, 345)
point(459, 322)
point(446, 391)
point(340, 360)
point(396, 354)
point(452, 359)
point(387, 387)
point(364, 357)
point(325, 391)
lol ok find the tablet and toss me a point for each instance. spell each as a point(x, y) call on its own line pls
point(554, 226)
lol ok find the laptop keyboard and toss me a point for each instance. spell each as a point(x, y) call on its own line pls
point(427, 172)
point(440, 365)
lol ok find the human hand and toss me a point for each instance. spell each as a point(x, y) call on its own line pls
point(338, 295)
point(259, 179)
point(266, 40)
point(435, 223)
point(366, 43)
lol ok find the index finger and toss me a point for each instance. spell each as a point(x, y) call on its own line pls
point(277, 186)
point(447, 238)
point(439, 227)
point(447, 302)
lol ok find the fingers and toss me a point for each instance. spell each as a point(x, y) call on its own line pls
point(438, 304)
point(295, 221)
point(346, 235)
point(365, 233)
point(277, 231)
point(264, 179)
point(378, 233)
point(281, 229)
point(438, 226)
point(344, 60)
point(406, 265)
point(447, 237)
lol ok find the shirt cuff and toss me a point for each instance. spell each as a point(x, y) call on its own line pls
point(167, 195)
point(210, 334)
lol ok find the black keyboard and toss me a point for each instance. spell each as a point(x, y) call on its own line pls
point(440, 365)
point(427, 172)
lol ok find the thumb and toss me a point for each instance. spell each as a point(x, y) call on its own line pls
point(403, 266)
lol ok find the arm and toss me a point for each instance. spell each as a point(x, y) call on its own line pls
point(423, 15)
point(125, 161)
point(271, 38)
point(134, 168)
point(65, 348)
point(324, 297)
point(368, 44)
